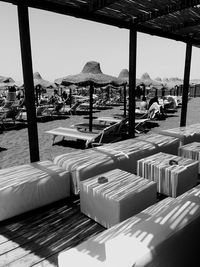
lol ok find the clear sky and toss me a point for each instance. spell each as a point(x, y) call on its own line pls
point(61, 45)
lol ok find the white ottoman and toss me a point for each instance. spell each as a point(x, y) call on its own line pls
point(187, 134)
point(26, 187)
point(191, 151)
point(122, 196)
point(172, 180)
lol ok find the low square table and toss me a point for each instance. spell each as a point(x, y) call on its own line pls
point(174, 175)
point(121, 196)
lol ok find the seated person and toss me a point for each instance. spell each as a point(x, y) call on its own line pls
point(155, 109)
point(143, 104)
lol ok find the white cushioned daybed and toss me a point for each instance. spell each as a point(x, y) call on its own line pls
point(163, 143)
point(166, 236)
point(92, 252)
point(186, 134)
point(122, 155)
point(29, 186)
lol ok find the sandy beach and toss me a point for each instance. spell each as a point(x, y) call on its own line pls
point(15, 147)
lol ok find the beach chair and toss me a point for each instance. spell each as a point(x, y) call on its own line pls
point(6, 105)
point(8, 115)
point(109, 134)
point(100, 124)
point(42, 112)
point(73, 108)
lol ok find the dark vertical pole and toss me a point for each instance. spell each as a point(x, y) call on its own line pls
point(124, 100)
point(70, 97)
point(132, 80)
point(28, 81)
point(195, 90)
point(37, 94)
point(91, 106)
point(186, 84)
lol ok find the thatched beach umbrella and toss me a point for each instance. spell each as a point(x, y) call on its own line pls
point(158, 79)
point(172, 83)
point(40, 84)
point(124, 75)
point(92, 76)
point(147, 81)
point(5, 82)
point(39, 81)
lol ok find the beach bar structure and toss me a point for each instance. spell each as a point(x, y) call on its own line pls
point(177, 20)
point(37, 238)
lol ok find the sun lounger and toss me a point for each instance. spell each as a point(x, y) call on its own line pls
point(72, 133)
point(110, 133)
point(29, 186)
point(100, 124)
point(85, 127)
point(8, 115)
point(43, 112)
point(139, 123)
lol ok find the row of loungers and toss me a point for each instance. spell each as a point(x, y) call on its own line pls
point(27, 187)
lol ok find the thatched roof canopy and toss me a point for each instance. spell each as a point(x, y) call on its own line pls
point(5, 82)
point(158, 79)
point(92, 74)
point(146, 79)
point(38, 80)
point(124, 75)
point(177, 20)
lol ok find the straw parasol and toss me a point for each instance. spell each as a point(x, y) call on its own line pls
point(5, 82)
point(147, 81)
point(39, 81)
point(124, 75)
point(172, 82)
point(158, 79)
point(92, 76)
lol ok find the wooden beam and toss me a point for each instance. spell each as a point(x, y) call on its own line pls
point(167, 9)
point(28, 81)
point(167, 34)
point(184, 25)
point(132, 79)
point(186, 84)
point(84, 14)
point(96, 5)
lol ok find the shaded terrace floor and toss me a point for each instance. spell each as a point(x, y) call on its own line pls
point(36, 238)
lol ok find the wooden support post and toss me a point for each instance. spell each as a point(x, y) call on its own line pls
point(125, 101)
point(186, 84)
point(24, 33)
point(70, 97)
point(195, 90)
point(91, 106)
point(132, 80)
